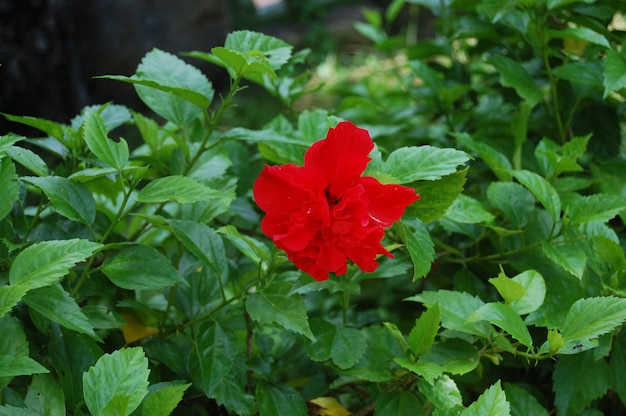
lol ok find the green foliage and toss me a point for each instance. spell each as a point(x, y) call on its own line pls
point(135, 277)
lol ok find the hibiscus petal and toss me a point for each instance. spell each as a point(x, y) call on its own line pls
point(342, 156)
point(387, 202)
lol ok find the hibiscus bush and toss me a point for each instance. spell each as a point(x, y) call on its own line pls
point(443, 236)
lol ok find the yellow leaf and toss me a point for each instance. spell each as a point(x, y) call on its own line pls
point(134, 330)
point(329, 406)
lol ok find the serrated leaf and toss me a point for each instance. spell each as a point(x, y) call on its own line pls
point(96, 136)
point(614, 72)
point(491, 403)
point(506, 318)
point(279, 400)
point(29, 159)
point(177, 188)
point(454, 355)
point(117, 383)
point(204, 243)
point(49, 127)
point(512, 74)
point(542, 190)
point(423, 334)
point(347, 347)
point(397, 403)
point(241, 64)
point(567, 255)
point(274, 305)
point(467, 210)
point(443, 393)
point(515, 201)
point(70, 199)
point(428, 371)
point(410, 164)
point(252, 248)
point(140, 267)
point(47, 262)
point(522, 402)
point(9, 296)
point(213, 355)
point(577, 380)
point(57, 305)
point(592, 317)
point(45, 396)
point(617, 365)
point(497, 161)
point(436, 196)
point(9, 186)
point(277, 51)
point(11, 366)
point(454, 308)
point(580, 33)
point(534, 292)
point(420, 246)
point(13, 343)
point(598, 207)
point(162, 399)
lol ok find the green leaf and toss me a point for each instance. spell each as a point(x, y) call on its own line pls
point(577, 380)
point(506, 318)
point(443, 393)
point(47, 262)
point(554, 4)
point(568, 255)
point(580, 33)
point(467, 210)
point(497, 161)
point(515, 201)
point(204, 243)
point(555, 341)
point(543, 191)
point(436, 196)
point(9, 186)
point(277, 51)
point(9, 296)
point(70, 199)
point(614, 72)
point(252, 248)
point(513, 75)
point(617, 364)
point(96, 137)
point(507, 288)
point(423, 334)
point(274, 305)
point(29, 159)
point(454, 355)
point(410, 164)
point(176, 188)
point(173, 89)
point(162, 399)
point(592, 317)
point(213, 355)
point(428, 371)
point(117, 383)
point(11, 366)
point(140, 267)
point(49, 127)
point(45, 396)
point(534, 292)
point(491, 403)
point(454, 308)
point(598, 207)
point(13, 343)
point(420, 246)
point(57, 305)
point(279, 399)
point(397, 403)
point(344, 346)
point(252, 65)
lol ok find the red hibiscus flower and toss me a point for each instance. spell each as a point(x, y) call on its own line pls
point(325, 213)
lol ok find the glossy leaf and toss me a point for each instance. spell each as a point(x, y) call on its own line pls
point(436, 196)
point(279, 400)
point(96, 136)
point(342, 345)
point(277, 50)
point(140, 267)
point(423, 334)
point(213, 355)
point(410, 164)
point(45, 396)
point(117, 383)
point(56, 304)
point(491, 403)
point(592, 317)
point(513, 200)
point(497, 161)
point(9, 296)
point(255, 250)
point(11, 366)
point(70, 199)
point(9, 186)
point(614, 72)
point(443, 393)
point(534, 292)
point(427, 370)
point(506, 318)
point(512, 74)
point(47, 262)
point(162, 399)
point(542, 190)
point(420, 246)
point(454, 355)
point(598, 207)
point(274, 304)
point(468, 210)
point(176, 188)
point(397, 403)
point(567, 255)
point(29, 159)
point(507, 288)
point(204, 243)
